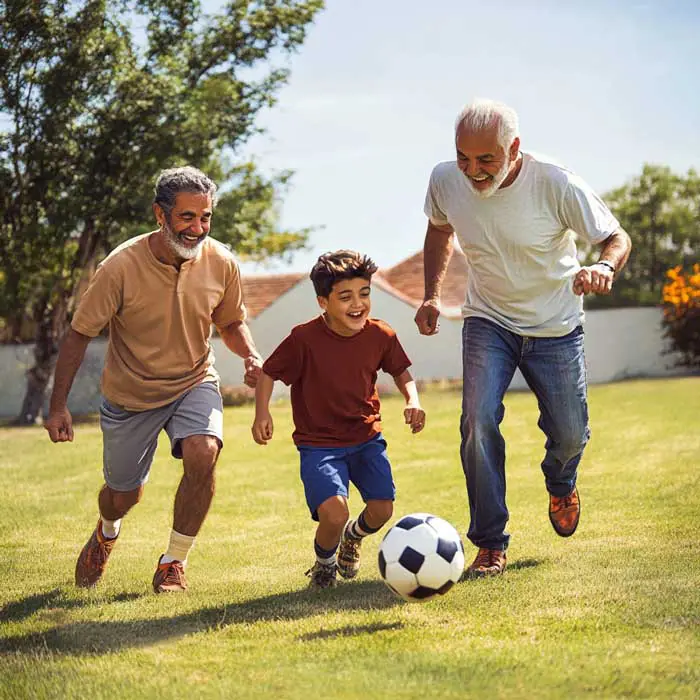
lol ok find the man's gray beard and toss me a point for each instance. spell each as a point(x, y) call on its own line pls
point(180, 250)
point(498, 179)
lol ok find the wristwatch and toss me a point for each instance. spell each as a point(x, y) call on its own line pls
point(607, 264)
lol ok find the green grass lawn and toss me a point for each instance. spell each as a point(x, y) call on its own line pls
point(612, 612)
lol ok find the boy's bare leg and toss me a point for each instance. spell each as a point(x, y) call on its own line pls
point(332, 515)
point(374, 516)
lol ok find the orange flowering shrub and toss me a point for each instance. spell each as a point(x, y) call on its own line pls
point(681, 320)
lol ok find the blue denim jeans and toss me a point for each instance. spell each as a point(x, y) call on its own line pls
point(554, 368)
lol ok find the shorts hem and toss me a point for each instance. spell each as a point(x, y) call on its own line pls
point(132, 486)
point(176, 440)
point(314, 509)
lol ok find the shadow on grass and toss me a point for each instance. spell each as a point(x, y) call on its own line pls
point(513, 567)
point(351, 631)
point(106, 636)
point(524, 564)
point(26, 607)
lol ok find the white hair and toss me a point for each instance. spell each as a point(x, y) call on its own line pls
point(482, 114)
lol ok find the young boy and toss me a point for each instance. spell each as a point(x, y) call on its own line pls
point(331, 363)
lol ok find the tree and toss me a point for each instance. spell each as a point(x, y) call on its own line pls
point(91, 115)
point(661, 212)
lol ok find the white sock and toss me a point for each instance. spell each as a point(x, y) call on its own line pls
point(178, 548)
point(110, 528)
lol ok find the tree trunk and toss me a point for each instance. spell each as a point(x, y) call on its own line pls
point(52, 313)
point(52, 326)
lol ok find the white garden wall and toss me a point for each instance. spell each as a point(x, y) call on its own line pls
point(620, 343)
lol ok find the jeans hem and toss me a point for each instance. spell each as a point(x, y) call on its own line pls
point(503, 546)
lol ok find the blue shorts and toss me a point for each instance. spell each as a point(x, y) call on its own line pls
point(328, 471)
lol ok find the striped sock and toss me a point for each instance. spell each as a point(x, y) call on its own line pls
point(325, 556)
point(357, 529)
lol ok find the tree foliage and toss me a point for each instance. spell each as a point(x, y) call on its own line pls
point(661, 212)
point(96, 98)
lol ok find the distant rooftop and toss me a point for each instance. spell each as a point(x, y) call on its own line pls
point(404, 280)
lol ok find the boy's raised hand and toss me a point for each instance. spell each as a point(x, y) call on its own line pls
point(262, 428)
point(415, 417)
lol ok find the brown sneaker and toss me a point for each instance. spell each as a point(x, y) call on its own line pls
point(564, 513)
point(488, 562)
point(169, 577)
point(93, 558)
point(349, 555)
point(322, 576)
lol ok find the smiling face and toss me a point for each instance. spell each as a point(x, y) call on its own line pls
point(188, 224)
point(483, 160)
point(348, 305)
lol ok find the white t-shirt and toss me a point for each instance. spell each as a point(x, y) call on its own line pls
point(520, 243)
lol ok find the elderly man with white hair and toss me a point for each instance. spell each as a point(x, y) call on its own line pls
point(516, 216)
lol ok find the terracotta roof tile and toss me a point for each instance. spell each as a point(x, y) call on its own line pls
point(404, 280)
point(259, 291)
point(407, 278)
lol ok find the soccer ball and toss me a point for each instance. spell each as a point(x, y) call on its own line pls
point(421, 556)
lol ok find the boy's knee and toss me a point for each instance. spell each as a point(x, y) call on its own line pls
point(379, 512)
point(334, 512)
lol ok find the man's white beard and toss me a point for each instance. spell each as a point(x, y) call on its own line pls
point(497, 181)
point(182, 251)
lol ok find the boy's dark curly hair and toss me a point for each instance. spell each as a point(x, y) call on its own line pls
point(340, 265)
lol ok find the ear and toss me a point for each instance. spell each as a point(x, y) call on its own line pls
point(514, 148)
point(322, 302)
point(158, 213)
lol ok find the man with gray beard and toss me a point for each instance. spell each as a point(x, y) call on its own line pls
point(159, 293)
point(516, 216)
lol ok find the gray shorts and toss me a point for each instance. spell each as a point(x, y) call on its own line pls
point(130, 438)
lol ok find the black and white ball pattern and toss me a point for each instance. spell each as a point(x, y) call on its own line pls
point(421, 556)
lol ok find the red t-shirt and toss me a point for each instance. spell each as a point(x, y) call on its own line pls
point(333, 378)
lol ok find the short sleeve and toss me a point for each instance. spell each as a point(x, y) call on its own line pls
point(100, 302)
point(585, 213)
point(394, 361)
point(285, 364)
point(432, 207)
point(231, 308)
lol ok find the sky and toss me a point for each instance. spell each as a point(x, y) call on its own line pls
point(602, 87)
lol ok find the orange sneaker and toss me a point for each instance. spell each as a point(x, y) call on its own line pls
point(564, 513)
point(169, 577)
point(93, 558)
point(488, 562)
